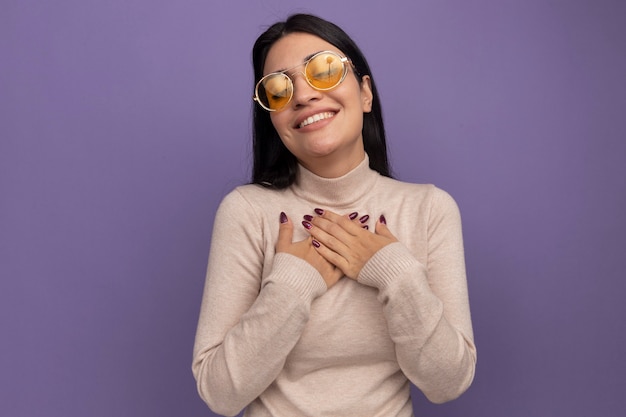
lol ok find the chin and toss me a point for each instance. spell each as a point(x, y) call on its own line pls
point(319, 147)
point(321, 152)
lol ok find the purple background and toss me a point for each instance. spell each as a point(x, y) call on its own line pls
point(123, 124)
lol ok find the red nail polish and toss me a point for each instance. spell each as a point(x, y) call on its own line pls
point(366, 227)
point(352, 216)
point(308, 217)
point(307, 224)
point(382, 219)
point(283, 217)
point(315, 243)
point(319, 211)
point(364, 218)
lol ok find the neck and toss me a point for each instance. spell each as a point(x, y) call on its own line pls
point(335, 165)
point(340, 191)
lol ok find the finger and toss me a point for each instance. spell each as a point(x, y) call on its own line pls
point(330, 234)
point(328, 220)
point(343, 237)
point(382, 229)
point(353, 217)
point(330, 255)
point(285, 233)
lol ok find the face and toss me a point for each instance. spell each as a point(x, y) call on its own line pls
point(322, 129)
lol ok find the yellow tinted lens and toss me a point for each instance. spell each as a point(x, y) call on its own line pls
point(275, 91)
point(325, 71)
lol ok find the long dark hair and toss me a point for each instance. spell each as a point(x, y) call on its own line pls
point(274, 166)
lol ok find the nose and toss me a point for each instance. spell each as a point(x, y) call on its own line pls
point(303, 93)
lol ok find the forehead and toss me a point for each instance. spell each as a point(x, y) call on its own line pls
point(293, 49)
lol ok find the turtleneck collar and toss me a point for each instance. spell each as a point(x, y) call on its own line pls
point(343, 191)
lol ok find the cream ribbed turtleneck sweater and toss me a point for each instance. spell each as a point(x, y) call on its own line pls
point(271, 337)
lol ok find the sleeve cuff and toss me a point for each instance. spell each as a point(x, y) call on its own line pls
point(391, 261)
point(297, 274)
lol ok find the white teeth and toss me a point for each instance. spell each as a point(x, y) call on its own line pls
point(316, 118)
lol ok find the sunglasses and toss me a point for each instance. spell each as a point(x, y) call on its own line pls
point(323, 71)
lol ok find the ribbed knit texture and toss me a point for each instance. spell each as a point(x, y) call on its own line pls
point(272, 339)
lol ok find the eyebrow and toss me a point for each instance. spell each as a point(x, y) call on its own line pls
point(306, 58)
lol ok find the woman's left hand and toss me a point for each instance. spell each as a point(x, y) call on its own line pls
point(346, 243)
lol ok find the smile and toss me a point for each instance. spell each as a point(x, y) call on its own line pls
point(316, 118)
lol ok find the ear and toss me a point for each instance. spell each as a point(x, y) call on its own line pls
point(366, 94)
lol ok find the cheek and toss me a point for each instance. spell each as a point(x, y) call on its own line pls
point(279, 122)
point(349, 94)
point(281, 126)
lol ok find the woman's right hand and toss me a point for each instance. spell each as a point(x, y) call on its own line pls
point(305, 250)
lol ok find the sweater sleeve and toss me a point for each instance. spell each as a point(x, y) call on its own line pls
point(427, 306)
point(247, 324)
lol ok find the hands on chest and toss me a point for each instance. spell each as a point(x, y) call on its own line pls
point(337, 244)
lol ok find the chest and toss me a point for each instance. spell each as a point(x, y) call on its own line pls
point(346, 326)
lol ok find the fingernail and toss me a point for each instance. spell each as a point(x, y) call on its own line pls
point(307, 224)
point(382, 219)
point(366, 227)
point(283, 217)
point(364, 218)
point(352, 216)
point(315, 243)
point(308, 217)
point(319, 211)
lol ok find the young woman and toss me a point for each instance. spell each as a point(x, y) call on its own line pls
point(330, 286)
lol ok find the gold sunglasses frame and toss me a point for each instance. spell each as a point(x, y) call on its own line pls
point(306, 62)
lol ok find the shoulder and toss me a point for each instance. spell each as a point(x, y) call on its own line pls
point(249, 201)
point(248, 195)
point(429, 197)
point(243, 212)
point(416, 190)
